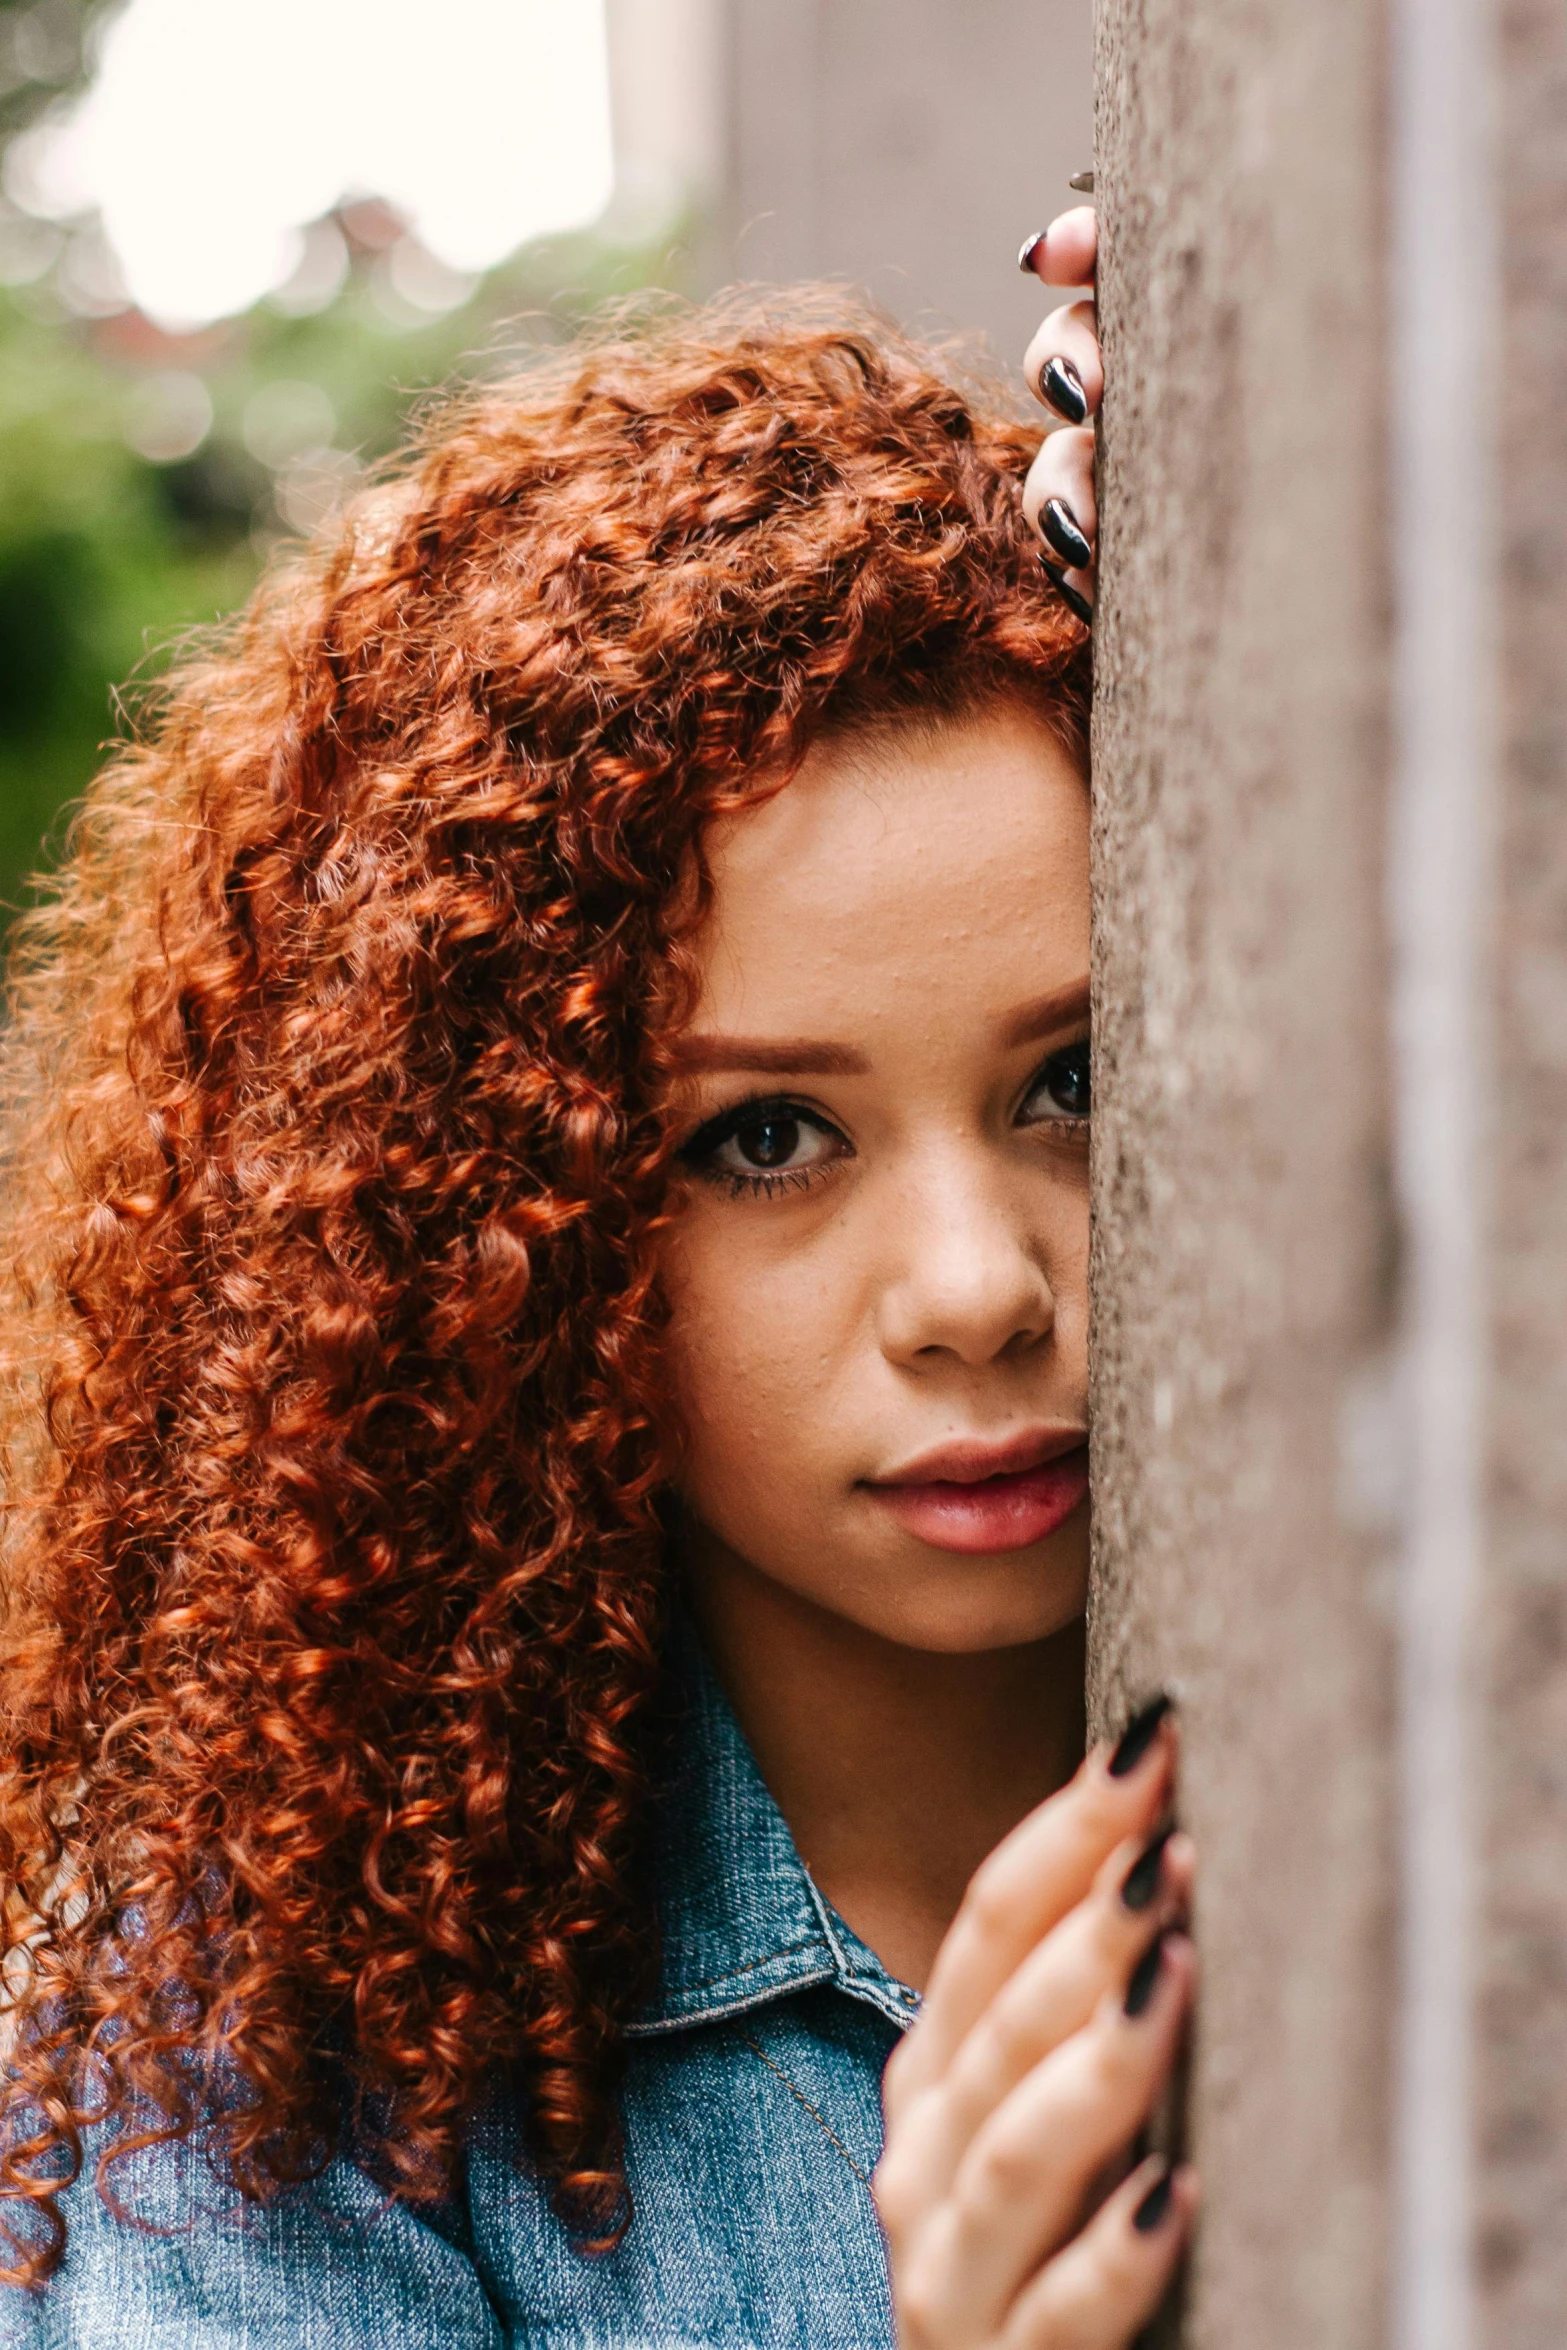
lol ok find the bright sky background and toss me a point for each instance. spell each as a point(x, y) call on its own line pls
point(215, 129)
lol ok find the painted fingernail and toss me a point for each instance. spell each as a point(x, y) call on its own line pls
point(1058, 524)
point(1083, 182)
point(1144, 1977)
point(1138, 1736)
point(1029, 247)
point(1151, 2212)
point(1062, 386)
point(1141, 1881)
point(1069, 595)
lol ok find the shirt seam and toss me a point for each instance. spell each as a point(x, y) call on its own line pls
point(764, 1995)
point(817, 2116)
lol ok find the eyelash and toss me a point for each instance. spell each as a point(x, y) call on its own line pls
point(1066, 1126)
point(764, 1183)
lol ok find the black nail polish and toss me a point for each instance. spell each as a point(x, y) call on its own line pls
point(1030, 246)
point(1138, 1736)
point(1151, 2211)
point(1083, 182)
point(1058, 524)
point(1062, 386)
point(1069, 595)
point(1145, 1976)
point(1141, 1881)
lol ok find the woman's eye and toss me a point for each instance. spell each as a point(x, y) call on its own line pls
point(1064, 1087)
point(763, 1144)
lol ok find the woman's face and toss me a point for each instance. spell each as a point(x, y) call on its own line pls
point(878, 1264)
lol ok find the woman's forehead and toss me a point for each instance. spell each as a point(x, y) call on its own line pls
point(929, 859)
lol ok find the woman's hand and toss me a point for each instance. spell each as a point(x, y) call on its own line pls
point(1066, 372)
point(1054, 2014)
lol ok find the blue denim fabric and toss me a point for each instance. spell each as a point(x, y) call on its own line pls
point(753, 2119)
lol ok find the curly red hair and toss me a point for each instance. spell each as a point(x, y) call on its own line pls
point(334, 1151)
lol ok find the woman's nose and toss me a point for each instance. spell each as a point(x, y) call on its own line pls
point(968, 1279)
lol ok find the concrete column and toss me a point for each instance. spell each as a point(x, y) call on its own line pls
point(1521, 2059)
point(1245, 1273)
point(1331, 1252)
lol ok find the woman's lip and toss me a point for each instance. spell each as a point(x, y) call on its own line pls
point(970, 1459)
point(993, 1513)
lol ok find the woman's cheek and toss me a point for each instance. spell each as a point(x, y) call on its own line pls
point(750, 1358)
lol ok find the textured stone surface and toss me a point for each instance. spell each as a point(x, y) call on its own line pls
point(1522, 2055)
point(1243, 1253)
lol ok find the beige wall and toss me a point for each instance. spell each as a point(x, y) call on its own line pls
point(907, 146)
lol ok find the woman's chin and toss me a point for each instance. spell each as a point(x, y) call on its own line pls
point(961, 1603)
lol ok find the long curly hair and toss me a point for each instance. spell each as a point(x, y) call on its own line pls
point(334, 1148)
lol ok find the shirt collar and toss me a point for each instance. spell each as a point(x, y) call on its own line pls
point(740, 1920)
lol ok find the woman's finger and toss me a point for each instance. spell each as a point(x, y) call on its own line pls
point(1034, 1876)
point(1020, 2190)
point(1103, 2289)
point(1059, 502)
point(1063, 363)
point(1067, 252)
point(1064, 469)
point(1141, 1891)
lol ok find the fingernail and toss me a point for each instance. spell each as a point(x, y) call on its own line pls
point(1030, 246)
point(1155, 2204)
point(1138, 1736)
point(1083, 182)
point(1059, 525)
point(1062, 386)
point(1144, 1976)
point(1141, 1882)
point(1069, 595)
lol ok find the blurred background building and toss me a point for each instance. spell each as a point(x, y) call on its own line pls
point(240, 238)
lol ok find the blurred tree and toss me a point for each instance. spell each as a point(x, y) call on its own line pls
point(90, 561)
point(145, 478)
point(45, 52)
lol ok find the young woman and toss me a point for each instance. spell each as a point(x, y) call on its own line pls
point(548, 1195)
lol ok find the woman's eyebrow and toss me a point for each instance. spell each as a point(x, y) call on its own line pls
point(782, 1056)
point(1032, 1022)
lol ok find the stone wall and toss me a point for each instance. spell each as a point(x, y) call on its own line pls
point(1522, 1944)
point(1244, 1291)
point(1331, 1049)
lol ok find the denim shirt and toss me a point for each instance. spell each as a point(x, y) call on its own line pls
point(752, 2119)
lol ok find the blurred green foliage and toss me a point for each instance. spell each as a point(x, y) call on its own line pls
point(107, 554)
point(95, 562)
point(45, 53)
